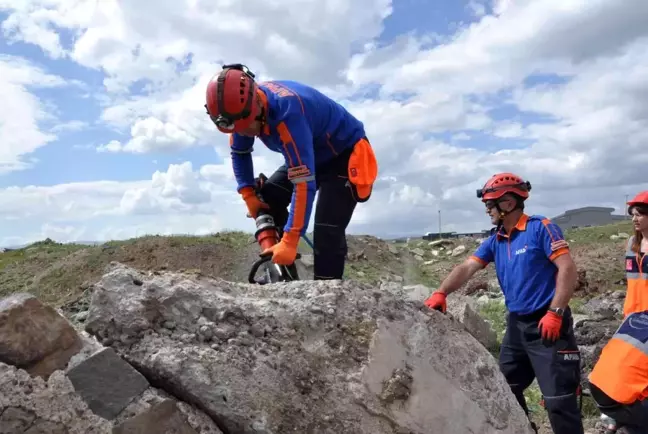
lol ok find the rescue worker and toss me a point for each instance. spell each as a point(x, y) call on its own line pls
point(325, 149)
point(619, 380)
point(538, 276)
point(636, 263)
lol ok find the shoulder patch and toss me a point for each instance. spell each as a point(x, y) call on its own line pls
point(298, 172)
point(559, 244)
point(277, 89)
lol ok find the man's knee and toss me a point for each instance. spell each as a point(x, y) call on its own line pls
point(330, 239)
point(330, 251)
point(562, 403)
point(560, 382)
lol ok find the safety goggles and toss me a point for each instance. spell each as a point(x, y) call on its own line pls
point(524, 186)
point(223, 123)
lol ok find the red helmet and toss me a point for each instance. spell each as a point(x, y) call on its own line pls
point(500, 184)
point(640, 200)
point(232, 101)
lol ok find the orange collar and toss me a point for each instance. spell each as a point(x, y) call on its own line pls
point(521, 225)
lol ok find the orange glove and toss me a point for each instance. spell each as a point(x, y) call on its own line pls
point(252, 202)
point(550, 325)
point(285, 251)
point(437, 301)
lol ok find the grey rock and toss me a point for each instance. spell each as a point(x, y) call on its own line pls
point(41, 426)
point(418, 252)
point(15, 420)
point(373, 363)
point(591, 337)
point(465, 310)
point(461, 307)
point(459, 250)
point(161, 418)
point(440, 243)
point(49, 407)
point(199, 421)
point(414, 292)
point(35, 336)
point(107, 383)
point(605, 306)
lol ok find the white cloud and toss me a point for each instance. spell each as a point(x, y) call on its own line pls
point(580, 138)
point(20, 132)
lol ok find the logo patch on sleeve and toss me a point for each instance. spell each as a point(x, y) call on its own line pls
point(298, 172)
point(629, 264)
point(559, 244)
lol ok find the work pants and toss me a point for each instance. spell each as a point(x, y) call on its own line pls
point(525, 356)
point(632, 417)
point(333, 211)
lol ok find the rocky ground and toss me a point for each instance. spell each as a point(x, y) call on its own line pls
point(63, 276)
point(178, 353)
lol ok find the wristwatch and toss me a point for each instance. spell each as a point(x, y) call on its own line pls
point(557, 310)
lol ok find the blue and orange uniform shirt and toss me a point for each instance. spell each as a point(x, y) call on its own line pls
point(524, 262)
point(309, 129)
point(636, 267)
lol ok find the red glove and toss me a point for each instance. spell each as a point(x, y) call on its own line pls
point(285, 251)
point(550, 325)
point(252, 202)
point(437, 301)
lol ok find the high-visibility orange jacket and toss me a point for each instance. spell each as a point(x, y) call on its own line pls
point(636, 266)
point(621, 371)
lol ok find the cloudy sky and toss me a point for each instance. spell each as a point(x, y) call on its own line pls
point(104, 135)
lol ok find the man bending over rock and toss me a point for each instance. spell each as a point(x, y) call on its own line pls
point(538, 276)
point(325, 148)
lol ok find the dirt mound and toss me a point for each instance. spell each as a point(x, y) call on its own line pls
point(60, 274)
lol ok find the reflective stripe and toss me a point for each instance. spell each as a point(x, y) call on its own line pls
point(235, 151)
point(636, 276)
point(303, 179)
point(621, 371)
point(641, 346)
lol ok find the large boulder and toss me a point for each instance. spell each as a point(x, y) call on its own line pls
point(33, 336)
point(52, 406)
point(54, 380)
point(309, 356)
point(461, 307)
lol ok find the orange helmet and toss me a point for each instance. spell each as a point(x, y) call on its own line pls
point(232, 99)
point(640, 200)
point(500, 184)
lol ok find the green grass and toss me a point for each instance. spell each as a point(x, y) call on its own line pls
point(598, 234)
point(232, 239)
point(42, 250)
point(495, 312)
point(576, 305)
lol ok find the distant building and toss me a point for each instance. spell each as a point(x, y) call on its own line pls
point(587, 216)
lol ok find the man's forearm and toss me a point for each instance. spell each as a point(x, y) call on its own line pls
point(565, 285)
point(243, 168)
point(457, 277)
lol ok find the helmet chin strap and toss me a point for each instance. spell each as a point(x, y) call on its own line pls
point(502, 213)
